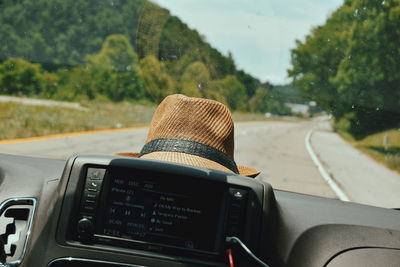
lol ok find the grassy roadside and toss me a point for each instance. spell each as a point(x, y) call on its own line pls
point(20, 121)
point(373, 145)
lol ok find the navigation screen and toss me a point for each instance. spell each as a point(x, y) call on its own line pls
point(161, 209)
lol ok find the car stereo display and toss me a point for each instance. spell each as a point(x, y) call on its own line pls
point(161, 209)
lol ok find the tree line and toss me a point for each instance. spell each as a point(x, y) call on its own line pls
point(351, 65)
point(115, 51)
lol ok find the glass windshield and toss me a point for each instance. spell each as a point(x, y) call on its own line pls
point(313, 85)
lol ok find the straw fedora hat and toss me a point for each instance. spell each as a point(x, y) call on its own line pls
point(192, 131)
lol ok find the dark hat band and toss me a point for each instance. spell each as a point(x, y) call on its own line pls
point(191, 148)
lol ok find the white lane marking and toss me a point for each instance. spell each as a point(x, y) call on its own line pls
point(325, 175)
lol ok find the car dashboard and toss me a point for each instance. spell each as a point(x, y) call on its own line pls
point(117, 211)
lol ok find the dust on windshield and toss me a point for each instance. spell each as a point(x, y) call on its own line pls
point(321, 101)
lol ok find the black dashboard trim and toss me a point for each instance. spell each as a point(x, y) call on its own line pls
point(72, 259)
point(76, 166)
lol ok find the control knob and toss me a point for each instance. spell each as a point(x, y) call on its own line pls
point(85, 227)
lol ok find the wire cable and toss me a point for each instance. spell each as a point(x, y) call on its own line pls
point(230, 257)
point(234, 239)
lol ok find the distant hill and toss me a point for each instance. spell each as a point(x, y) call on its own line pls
point(115, 50)
point(59, 33)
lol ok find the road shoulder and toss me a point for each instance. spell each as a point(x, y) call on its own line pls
point(361, 178)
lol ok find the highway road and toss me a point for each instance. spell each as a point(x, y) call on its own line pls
point(299, 156)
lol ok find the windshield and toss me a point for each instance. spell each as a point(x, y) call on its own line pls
point(313, 85)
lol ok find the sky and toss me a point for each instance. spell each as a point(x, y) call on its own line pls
point(259, 33)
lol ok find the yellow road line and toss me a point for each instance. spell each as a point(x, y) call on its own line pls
point(55, 136)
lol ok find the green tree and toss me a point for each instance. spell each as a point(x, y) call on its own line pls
point(229, 91)
point(51, 82)
point(368, 75)
point(78, 84)
point(217, 91)
point(62, 32)
point(157, 83)
point(249, 82)
point(315, 62)
point(235, 93)
point(20, 77)
point(195, 79)
point(116, 65)
point(116, 54)
point(350, 64)
point(259, 101)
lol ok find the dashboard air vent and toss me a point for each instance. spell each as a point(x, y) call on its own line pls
point(15, 223)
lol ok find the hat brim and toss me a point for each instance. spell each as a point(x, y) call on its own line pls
point(192, 160)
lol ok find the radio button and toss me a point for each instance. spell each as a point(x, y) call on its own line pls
point(95, 173)
point(85, 227)
point(89, 206)
point(238, 194)
point(89, 201)
point(90, 196)
point(93, 185)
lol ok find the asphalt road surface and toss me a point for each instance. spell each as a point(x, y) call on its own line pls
point(278, 149)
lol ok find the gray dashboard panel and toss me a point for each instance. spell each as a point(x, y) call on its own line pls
point(298, 230)
point(367, 257)
point(312, 230)
point(25, 176)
